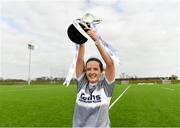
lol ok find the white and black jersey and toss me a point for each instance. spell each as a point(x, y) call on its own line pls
point(92, 103)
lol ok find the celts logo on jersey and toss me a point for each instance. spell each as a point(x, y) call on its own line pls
point(90, 99)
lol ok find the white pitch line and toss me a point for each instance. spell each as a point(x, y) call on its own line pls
point(168, 89)
point(119, 97)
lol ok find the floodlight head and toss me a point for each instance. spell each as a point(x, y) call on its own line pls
point(31, 47)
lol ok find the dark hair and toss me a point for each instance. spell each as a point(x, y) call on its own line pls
point(97, 60)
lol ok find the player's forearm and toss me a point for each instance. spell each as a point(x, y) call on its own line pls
point(80, 61)
point(81, 52)
point(103, 52)
point(107, 59)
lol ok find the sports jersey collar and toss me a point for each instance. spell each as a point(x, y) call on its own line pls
point(92, 84)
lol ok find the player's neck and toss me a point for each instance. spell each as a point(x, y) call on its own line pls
point(93, 84)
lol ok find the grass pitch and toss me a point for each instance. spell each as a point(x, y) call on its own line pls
point(53, 106)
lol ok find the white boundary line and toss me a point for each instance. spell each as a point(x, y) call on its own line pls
point(168, 89)
point(119, 97)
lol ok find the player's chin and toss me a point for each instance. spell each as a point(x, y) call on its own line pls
point(92, 80)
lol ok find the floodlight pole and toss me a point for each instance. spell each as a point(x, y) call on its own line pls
point(30, 47)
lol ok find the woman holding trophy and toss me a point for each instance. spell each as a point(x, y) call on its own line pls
point(94, 84)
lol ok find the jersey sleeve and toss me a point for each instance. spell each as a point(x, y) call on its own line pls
point(108, 87)
point(81, 81)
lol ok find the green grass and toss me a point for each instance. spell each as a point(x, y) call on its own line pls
point(148, 106)
point(36, 105)
point(53, 106)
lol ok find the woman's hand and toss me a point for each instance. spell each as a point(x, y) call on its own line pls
point(92, 34)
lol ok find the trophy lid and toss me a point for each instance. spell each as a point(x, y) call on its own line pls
point(88, 18)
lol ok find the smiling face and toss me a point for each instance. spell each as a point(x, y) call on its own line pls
point(93, 71)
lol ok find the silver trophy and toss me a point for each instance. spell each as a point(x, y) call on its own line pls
point(89, 20)
point(77, 35)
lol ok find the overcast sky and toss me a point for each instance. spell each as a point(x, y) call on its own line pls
point(146, 34)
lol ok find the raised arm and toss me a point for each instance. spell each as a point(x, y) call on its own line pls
point(110, 67)
point(80, 61)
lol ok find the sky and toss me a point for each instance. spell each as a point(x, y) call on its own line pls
point(146, 34)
